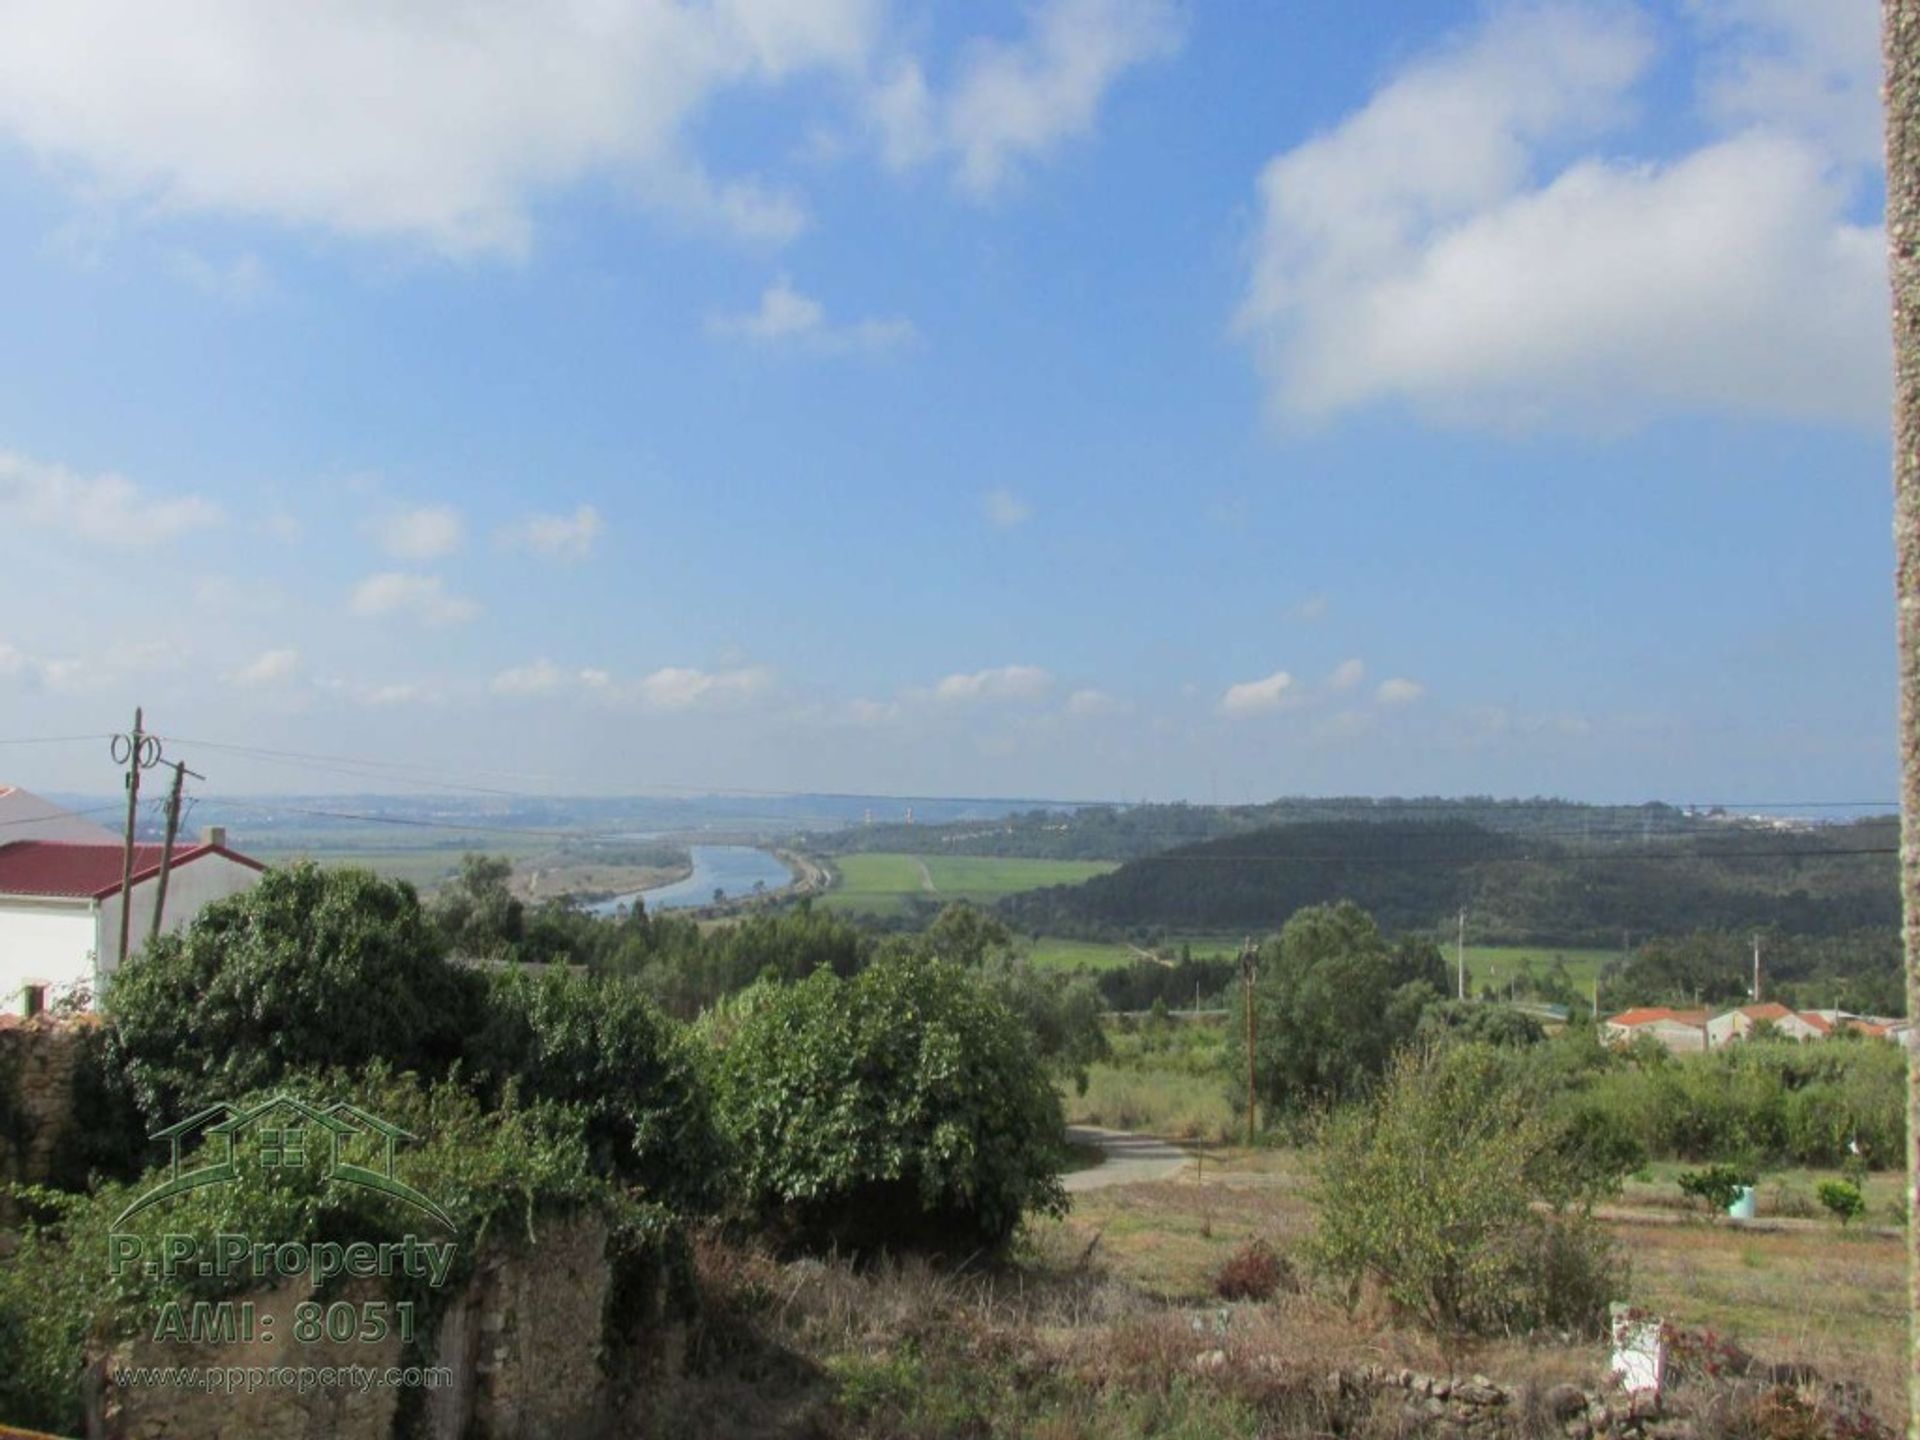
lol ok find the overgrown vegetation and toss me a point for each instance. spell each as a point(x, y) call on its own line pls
point(1451, 1191)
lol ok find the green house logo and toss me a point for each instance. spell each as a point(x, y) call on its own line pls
point(285, 1133)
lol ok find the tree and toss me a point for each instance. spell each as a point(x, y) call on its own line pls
point(309, 968)
point(967, 935)
point(1331, 1007)
point(476, 912)
point(906, 1106)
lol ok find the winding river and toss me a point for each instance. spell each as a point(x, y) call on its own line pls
point(732, 868)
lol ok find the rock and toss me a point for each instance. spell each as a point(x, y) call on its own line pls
point(1564, 1402)
point(1210, 1362)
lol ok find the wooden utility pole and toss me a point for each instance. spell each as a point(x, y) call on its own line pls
point(1900, 37)
point(138, 751)
point(1246, 982)
point(1460, 952)
point(180, 773)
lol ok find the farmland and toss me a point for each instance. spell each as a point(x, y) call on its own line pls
point(887, 884)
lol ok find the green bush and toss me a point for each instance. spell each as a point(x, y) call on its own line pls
point(1430, 1190)
point(1717, 1186)
point(633, 1072)
point(904, 1106)
point(309, 968)
point(1843, 1201)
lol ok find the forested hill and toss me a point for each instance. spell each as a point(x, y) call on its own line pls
point(1129, 832)
point(1416, 875)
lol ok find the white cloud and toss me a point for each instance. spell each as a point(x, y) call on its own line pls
point(1399, 691)
point(1255, 697)
point(1017, 102)
point(596, 679)
point(1413, 253)
point(788, 317)
point(442, 123)
point(1346, 675)
point(557, 537)
point(241, 281)
point(1812, 65)
point(422, 598)
point(34, 672)
point(1004, 509)
point(108, 509)
point(1090, 703)
point(425, 533)
point(1313, 608)
point(1008, 682)
point(678, 688)
point(270, 667)
point(540, 678)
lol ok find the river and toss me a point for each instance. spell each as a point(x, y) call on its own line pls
point(732, 868)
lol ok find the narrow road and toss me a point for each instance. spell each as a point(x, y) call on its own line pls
point(1131, 1159)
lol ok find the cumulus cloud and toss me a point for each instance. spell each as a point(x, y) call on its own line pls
point(425, 533)
point(1256, 697)
point(1417, 252)
point(787, 317)
point(421, 598)
point(1014, 102)
point(270, 667)
point(1008, 682)
point(540, 678)
point(556, 537)
point(1346, 675)
point(1004, 509)
point(1091, 703)
point(435, 122)
point(679, 688)
point(108, 509)
point(1399, 691)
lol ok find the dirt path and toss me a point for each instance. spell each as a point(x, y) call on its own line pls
point(1131, 1159)
point(926, 878)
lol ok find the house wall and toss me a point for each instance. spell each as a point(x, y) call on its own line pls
point(190, 889)
point(43, 942)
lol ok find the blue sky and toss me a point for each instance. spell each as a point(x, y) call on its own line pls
point(1086, 398)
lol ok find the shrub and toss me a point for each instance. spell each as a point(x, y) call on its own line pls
point(904, 1106)
point(1843, 1201)
point(1253, 1272)
point(634, 1074)
point(1717, 1186)
point(308, 968)
point(1430, 1190)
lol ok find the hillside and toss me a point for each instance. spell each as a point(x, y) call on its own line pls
point(1131, 832)
point(1417, 875)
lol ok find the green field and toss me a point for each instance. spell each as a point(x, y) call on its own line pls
point(1050, 952)
point(1496, 964)
point(885, 884)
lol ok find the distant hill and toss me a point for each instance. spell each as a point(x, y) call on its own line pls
point(1416, 875)
point(1129, 832)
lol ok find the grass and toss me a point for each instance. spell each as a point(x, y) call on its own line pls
point(886, 884)
point(1496, 964)
point(1051, 952)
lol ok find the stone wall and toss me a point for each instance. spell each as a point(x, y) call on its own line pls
point(523, 1341)
point(37, 1061)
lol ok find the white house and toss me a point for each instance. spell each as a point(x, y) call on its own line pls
point(60, 908)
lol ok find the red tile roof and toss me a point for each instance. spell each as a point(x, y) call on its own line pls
point(87, 872)
point(1766, 1010)
point(1648, 1014)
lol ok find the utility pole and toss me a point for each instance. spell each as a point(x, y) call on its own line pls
point(1246, 981)
point(180, 772)
point(1900, 39)
point(1460, 952)
point(138, 751)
